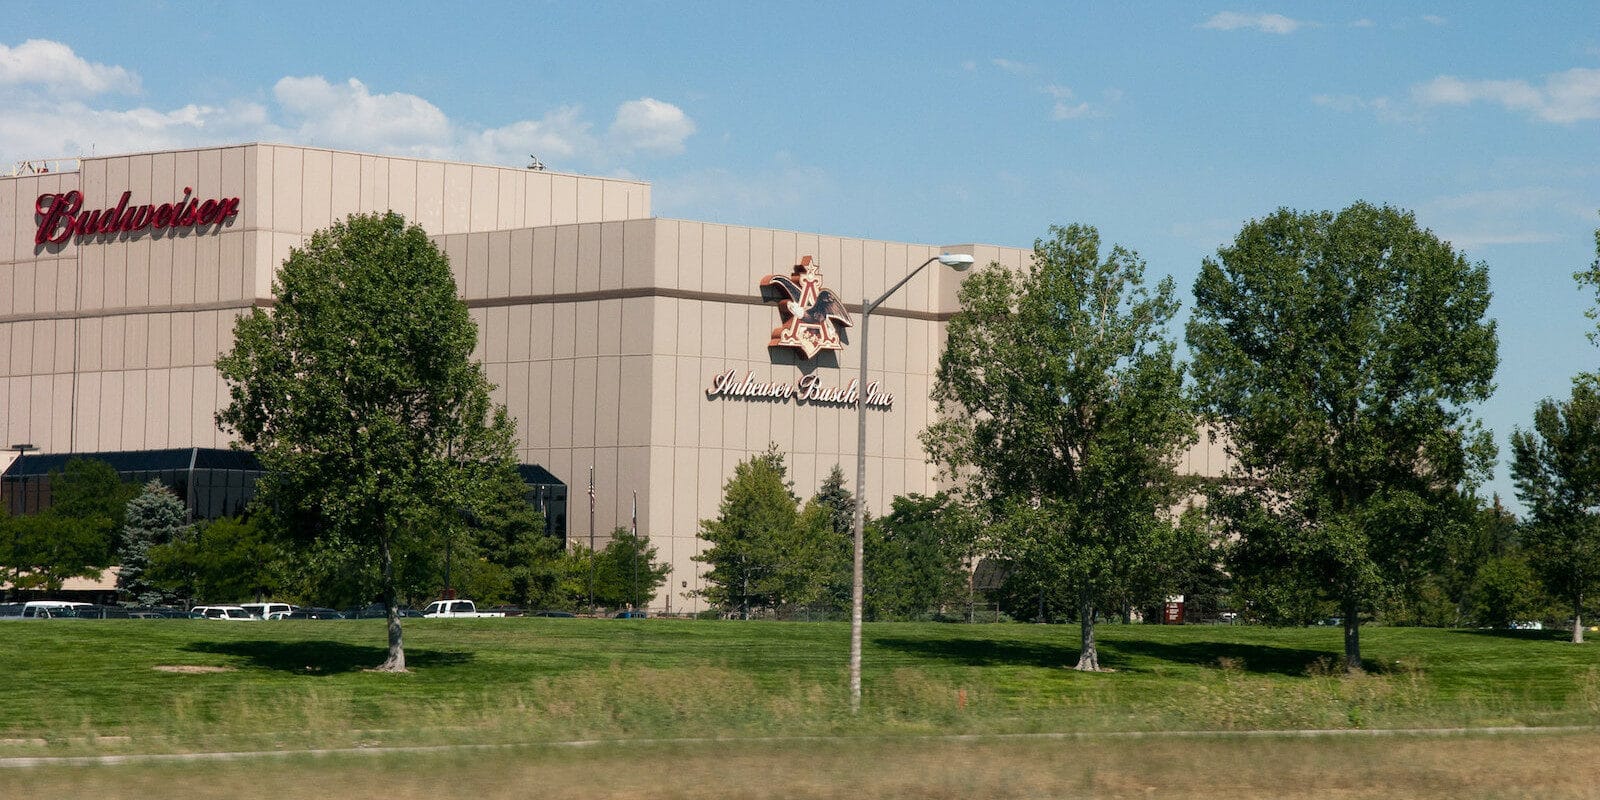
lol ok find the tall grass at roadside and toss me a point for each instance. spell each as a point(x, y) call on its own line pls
point(78, 686)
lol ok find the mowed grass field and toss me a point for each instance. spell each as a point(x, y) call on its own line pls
point(666, 708)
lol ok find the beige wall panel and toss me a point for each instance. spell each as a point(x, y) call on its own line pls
point(477, 248)
point(664, 325)
point(510, 210)
point(158, 409)
point(405, 190)
point(484, 211)
point(368, 197)
point(255, 201)
point(42, 360)
point(499, 243)
point(613, 255)
point(519, 262)
point(590, 200)
point(543, 266)
point(479, 318)
point(686, 490)
point(430, 191)
point(180, 405)
point(23, 298)
point(685, 429)
point(736, 272)
point(92, 182)
point(614, 200)
point(5, 354)
point(232, 282)
point(714, 264)
point(204, 397)
point(566, 264)
point(150, 272)
point(541, 332)
point(661, 496)
point(197, 276)
point(183, 353)
point(289, 207)
point(536, 199)
point(667, 236)
point(561, 403)
point(514, 387)
point(519, 327)
point(113, 341)
point(11, 215)
point(8, 288)
point(136, 352)
point(282, 243)
point(86, 413)
point(638, 252)
point(607, 327)
point(639, 202)
point(60, 427)
point(691, 258)
point(109, 416)
point(92, 286)
point(563, 199)
point(608, 401)
point(494, 334)
point(664, 401)
point(636, 398)
point(633, 475)
point(564, 326)
point(457, 198)
point(714, 331)
point(588, 265)
point(45, 278)
point(66, 298)
point(345, 197)
point(785, 252)
point(611, 498)
point(185, 173)
point(497, 375)
point(135, 384)
point(316, 190)
point(15, 414)
point(587, 406)
point(158, 346)
point(636, 320)
point(689, 324)
point(541, 400)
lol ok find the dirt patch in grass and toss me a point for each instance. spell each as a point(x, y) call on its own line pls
point(190, 669)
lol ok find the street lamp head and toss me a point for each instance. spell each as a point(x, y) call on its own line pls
point(957, 261)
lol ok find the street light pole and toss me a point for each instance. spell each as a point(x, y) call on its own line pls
point(959, 262)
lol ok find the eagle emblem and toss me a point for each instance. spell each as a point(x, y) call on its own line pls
point(809, 312)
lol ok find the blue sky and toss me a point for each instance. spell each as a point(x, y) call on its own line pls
point(1165, 125)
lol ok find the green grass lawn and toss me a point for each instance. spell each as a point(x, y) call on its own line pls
point(106, 686)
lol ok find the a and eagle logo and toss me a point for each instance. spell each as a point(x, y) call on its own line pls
point(810, 313)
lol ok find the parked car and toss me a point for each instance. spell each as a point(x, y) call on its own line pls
point(224, 612)
point(313, 613)
point(265, 610)
point(510, 611)
point(457, 609)
point(561, 614)
point(377, 611)
point(631, 615)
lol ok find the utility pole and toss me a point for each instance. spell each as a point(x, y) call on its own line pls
point(591, 540)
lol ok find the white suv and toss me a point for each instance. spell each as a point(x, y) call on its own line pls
point(224, 612)
point(267, 610)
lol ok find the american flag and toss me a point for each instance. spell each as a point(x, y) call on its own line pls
point(591, 490)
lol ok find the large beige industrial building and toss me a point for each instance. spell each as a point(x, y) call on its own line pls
point(638, 346)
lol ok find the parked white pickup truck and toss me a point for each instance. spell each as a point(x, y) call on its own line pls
point(457, 609)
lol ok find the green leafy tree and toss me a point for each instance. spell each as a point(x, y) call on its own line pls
point(1556, 467)
point(626, 571)
point(1063, 409)
point(836, 547)
point(916, 557)
point(762, 552)
point(75, 537)
point(1339, 355)
point(156, 517)
point(1506, 590)
point(359, 393)
point(224, 560)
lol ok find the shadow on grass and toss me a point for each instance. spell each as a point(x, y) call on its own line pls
point(1546, 635)
point(1123, 655)
point(325, 658)
point(987, 652)
point(1258, 658)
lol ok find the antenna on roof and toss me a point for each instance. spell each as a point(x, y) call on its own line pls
point(534, 163)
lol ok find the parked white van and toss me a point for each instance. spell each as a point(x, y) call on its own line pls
point(44, 609)
point(224, 612)
point(267, 610)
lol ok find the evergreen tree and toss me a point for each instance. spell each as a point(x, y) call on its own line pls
point(626, 571)
point(762, 552)
point(156, 517)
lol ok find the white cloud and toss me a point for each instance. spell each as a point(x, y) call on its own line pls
point(649, 125)
point(1363, 23)
point(1265, 23)
point(1013, 67)
point(349, 116)
point(1565, 97)
point(1435, 20)
point(41, 62)
point(42, 119)
point(1503, 216)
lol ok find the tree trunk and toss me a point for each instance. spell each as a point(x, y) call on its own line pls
point(396, 662)
point(1352, 637)
point(1577, 619)
point(1088, 656)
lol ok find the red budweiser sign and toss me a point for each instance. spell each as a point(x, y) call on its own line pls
point(61, 216)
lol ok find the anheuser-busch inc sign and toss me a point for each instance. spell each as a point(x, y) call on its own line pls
point(61, 215)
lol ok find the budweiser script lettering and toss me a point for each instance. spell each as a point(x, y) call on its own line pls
point(60, 218)
point(808, 389)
